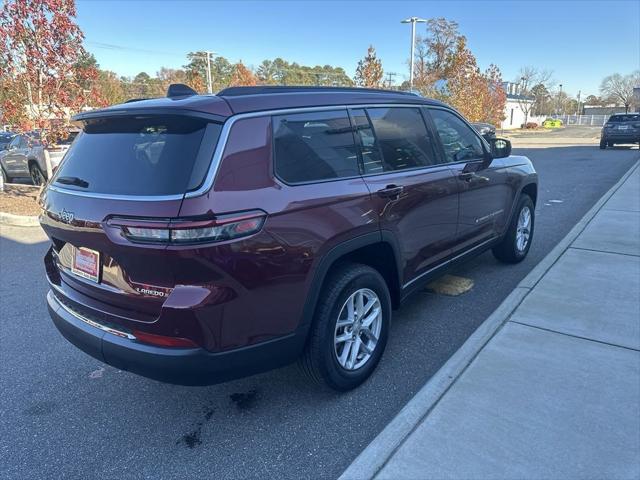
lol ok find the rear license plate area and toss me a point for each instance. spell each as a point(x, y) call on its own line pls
point(86, 263)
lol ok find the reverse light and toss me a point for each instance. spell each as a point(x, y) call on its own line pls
point(146, 234)
point(185, 231)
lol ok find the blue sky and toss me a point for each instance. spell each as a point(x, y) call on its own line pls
point(580, 41)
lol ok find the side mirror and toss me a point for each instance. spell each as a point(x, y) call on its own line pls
point(500, 147)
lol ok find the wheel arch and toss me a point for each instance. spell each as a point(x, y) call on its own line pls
point(530, 189)
point(378, 250)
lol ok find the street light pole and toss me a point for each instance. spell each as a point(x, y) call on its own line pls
point(412, 21)
point(560, 99)
point(209, 86)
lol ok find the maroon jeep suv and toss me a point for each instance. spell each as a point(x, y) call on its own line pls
point(198, 238)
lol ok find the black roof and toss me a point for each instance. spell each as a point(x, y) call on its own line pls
point(271, 89)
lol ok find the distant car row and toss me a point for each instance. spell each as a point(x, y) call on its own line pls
point(23, 155)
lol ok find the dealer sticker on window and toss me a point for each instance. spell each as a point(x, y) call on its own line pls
point(86, 264)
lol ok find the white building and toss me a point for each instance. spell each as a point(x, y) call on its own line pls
point(513, 109)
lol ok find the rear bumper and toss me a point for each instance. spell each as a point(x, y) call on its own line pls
point(181, 366)
point(621, 137)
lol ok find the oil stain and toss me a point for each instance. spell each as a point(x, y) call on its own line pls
point(244, 401)
point(194, 438)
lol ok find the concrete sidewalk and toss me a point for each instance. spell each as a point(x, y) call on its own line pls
point(549, 385)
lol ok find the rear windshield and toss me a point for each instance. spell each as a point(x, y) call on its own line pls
point(142, 155)
point(624, 118)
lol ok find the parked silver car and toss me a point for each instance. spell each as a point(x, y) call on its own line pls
point(24, 156)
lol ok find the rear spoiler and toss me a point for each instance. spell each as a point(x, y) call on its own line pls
point(123, 111)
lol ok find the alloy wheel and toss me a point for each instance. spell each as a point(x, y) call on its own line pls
point(523, 230)
point(36, 176)
point(358, 329)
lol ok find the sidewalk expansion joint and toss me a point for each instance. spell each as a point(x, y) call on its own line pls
point(604, 251)
point(575, 336)
point(620, 210)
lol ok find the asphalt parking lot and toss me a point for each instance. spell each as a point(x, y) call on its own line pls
point(66, 415)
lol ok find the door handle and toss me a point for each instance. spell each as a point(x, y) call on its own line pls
point(468, 176)
point(390, 191)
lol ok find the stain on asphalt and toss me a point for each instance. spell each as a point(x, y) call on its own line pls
point(244, 401)
point(41, 408)
point(194, 438)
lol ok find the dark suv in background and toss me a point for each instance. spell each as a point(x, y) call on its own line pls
point(621, 128)
point(200, 238)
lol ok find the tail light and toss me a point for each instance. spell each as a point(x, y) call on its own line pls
point(184, 231)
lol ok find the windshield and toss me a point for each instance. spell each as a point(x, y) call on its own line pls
point(144, 155)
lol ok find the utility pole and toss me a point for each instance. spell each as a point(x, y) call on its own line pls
point(412, 21)
point(390, 76)
point(209, 86)
point(578, 111)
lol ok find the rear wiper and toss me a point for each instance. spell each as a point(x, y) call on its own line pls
point(78, 182)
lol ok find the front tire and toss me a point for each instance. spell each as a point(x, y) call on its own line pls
point(515, 245)
point(350, 328)
point(37, 177)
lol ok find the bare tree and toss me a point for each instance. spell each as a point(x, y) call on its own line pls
point(528, 79)
point(620, 87)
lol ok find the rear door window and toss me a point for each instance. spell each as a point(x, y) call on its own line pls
point(142, 155)
point(396, 140)
point(314, 146)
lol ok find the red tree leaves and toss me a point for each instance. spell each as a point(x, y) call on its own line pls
point(242, 76)
point(369, 71)
point(43, 65)
point(446, 69)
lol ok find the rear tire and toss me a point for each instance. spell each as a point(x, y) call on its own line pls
point(37, 177)
point(515, 244)
point(337, 331)
point(603, 144)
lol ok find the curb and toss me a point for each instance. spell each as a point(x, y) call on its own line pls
point(11, 220)
point(377, 453)
point(516, 144)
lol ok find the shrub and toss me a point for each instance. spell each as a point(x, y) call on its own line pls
point(531, 125)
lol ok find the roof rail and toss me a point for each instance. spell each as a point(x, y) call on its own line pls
point(180, 90)
point(272, 89)
point(135, 100)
